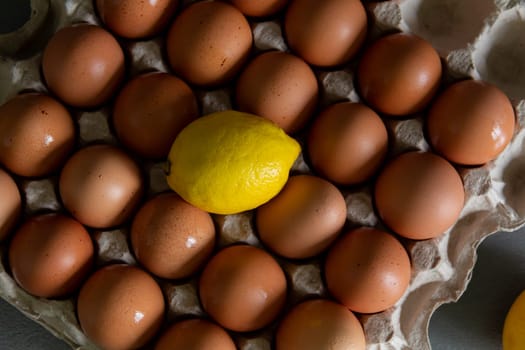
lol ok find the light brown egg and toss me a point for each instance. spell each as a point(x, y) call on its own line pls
point(325, 33)
point(120, 307)
point(208, 43)
point(320, 324)
point(399, 74)
point(303, 219)
point(101, 186)
point(260, 8)
point(171, 237)
point(347, 143)
point(471, 122)
point(36, 134)
point(10, 205)
point(134, 19)
point(419, 195)
point(367, 270)
point(151, 110)
point(83, 65)
point(50, 255)
point(278, 86)
point(195, 334)
point(242, 288)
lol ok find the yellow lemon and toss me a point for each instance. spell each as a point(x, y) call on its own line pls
point(228, 162)
point(514, 327)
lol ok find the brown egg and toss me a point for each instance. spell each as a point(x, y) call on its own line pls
point(50, 255)
point(195, 334)
point(471, 122)
point(320, 324)
point(209, 42)
point(367, 270)
point(260, 8)
point(120, 307)
point(243, 288)
point(171, 237)
point(325, 33)
point(347, 143)
point(10, 205)
point(136, 19)
point(280, 87)
point(151, 110)
point(101, 186)
point(83, 65)
point(36, 134)
point(419, 195)
point(399, 74)
point(303, 219)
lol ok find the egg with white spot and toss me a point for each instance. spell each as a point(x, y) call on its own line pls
point(37, 134)
point(471, 122)
point(243, 288)
point(171, 238)
point(120, 307)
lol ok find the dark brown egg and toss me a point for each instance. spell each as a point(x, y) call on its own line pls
point(471, 122)
point(320, 324)
point(10, 205)
point(419, 195)
point(399, 74)
point(101, 186)
point(325, 33)
point(303, 219)
point(260, 8)
point(135, 19)
point(367, 270)
point(120, 307)
point(195, 334)
point(243, 288)
point(151, 110)
point(36, 134)
point(280, 87)
point(83, 65)
point(50, 255)
point(171, 237)
point(347, 143)
point(209, 42)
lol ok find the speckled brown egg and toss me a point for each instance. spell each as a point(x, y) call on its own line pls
point(134, 19)
point(151, 110)
point(83, 65)
point(37, 134)
point(278, 86)
point(399, 74)
point(120, 307)
point(347, 143)
point(471, 122)
point(10, 205)
point(243, 288)
point(367, 270)
point(325, 33)
point(101, 186)
point(208, 43)
point(303, 219)
point(195, 334)
point(171, 237)
point(320, 324)
point(419, 195)
point(50, 255)
point(260, 8)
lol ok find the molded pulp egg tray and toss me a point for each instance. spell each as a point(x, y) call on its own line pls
point(481, 39)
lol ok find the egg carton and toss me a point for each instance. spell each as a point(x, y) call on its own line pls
point(480, 39)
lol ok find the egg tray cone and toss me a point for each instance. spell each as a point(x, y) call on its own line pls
point(480, 39)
